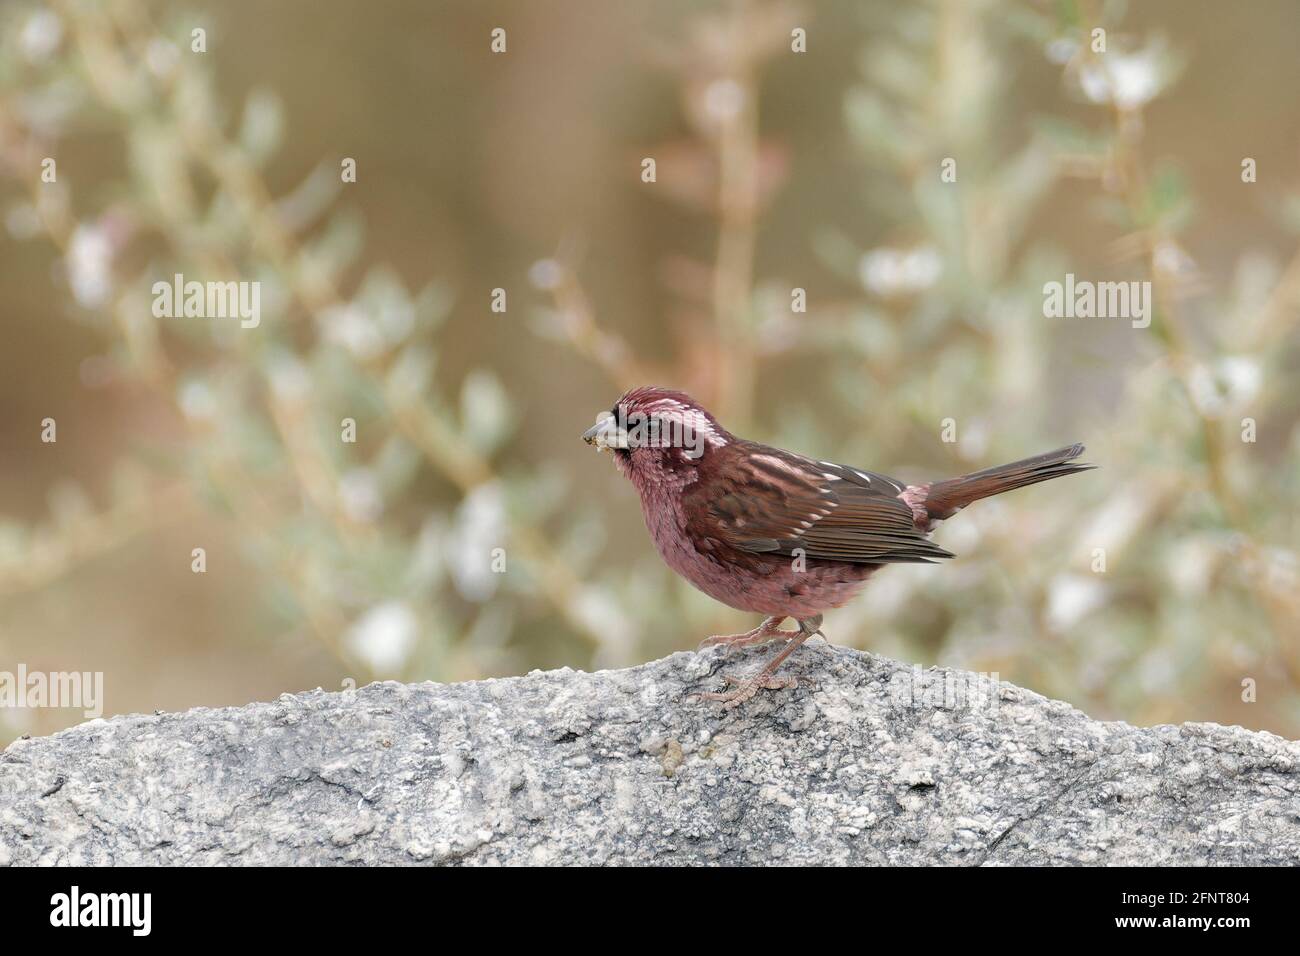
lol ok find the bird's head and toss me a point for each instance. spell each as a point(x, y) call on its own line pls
point(657, 434)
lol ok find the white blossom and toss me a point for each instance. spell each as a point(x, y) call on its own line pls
point(40, 36)
point(360, 495)
point(893, 272)
point(479, 527)
point(1070, 597)
point(349, 326)
point(89, 264)
point(384, 636)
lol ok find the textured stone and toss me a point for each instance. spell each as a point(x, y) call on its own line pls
point(867, 763)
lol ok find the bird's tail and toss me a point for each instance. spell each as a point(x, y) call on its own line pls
point(944, 498)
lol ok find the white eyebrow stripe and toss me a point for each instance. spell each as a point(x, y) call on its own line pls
point(684, 416)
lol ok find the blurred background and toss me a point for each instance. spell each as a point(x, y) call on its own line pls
point(1162, 587)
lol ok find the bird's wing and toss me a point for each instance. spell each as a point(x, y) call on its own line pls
point(762, 499)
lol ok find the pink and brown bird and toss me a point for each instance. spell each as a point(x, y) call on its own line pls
point(775, 533)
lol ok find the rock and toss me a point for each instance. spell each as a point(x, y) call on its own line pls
point(868, 761)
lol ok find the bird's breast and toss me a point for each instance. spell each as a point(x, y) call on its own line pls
point(763, 583)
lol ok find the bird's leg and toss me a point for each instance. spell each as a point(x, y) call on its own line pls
point(764, 679)
point(769, 630)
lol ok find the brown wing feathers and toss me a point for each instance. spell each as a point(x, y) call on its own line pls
point(762, 499)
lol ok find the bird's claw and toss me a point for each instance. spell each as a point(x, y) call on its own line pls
point(731, 643)
point(766, 679)
point(765, 633)
point(747, 688)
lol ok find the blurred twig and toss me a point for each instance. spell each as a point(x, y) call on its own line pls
point(94, 535)
point(733, 277)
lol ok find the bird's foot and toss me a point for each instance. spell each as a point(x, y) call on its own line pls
point(746, 688)
point(769, 630)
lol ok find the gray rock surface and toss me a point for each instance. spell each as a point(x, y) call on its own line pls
point(872, 762)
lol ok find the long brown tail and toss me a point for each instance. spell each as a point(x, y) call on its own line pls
point(945, 498)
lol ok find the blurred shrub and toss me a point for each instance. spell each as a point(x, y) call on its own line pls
point(1149, 590)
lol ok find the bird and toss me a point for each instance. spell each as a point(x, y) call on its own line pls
point(775, 533)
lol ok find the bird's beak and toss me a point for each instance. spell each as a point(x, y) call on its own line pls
point(606, 434)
